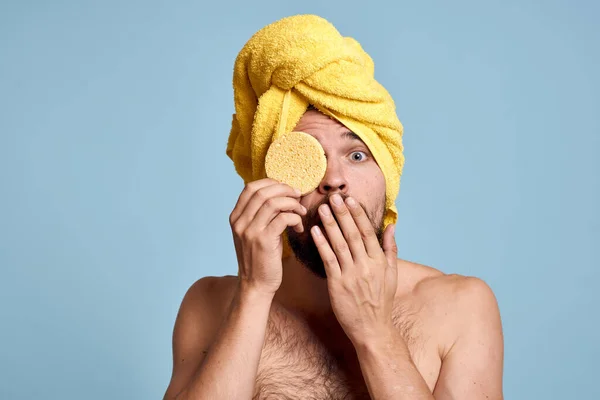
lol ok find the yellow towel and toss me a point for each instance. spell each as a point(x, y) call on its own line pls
point(302, 60)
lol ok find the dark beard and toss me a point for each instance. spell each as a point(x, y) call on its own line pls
point(304, 246)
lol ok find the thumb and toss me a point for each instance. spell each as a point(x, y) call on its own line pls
point(390, 249)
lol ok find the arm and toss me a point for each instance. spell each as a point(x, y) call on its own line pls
point(233, 355)
point(389, 371)
point(362, 278)
point(264, 210)
point(472, 369)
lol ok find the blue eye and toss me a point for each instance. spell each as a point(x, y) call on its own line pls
point(361, 157)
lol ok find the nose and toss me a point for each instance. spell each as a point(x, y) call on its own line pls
point(334, 180)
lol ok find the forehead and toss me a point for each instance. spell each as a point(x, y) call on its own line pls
point(324, 128)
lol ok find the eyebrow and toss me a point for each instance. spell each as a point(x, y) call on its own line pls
point(352, 136)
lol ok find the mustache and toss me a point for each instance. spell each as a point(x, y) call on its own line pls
point(312, 214)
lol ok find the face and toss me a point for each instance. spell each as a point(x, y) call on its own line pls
point(351, 171)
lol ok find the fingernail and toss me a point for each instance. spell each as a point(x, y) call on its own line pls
point(351, 202)
point(316, 231)
point(325, 210)
point(337, 199)
point(298, 192)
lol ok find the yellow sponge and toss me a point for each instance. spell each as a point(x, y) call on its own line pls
point(296, 159)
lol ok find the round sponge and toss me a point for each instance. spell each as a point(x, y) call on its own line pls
point(296, 159)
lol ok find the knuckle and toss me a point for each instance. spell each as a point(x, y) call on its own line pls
point(368, 274)
point(237, 231)
point(329, 259)
point(278, 221)
point(343, 211)
point(341, 247)
point(270, 203)
point(260, 195)
point(247, 235)
point(261, 243)
point(368, 231)
point(348, 284)
point(329, 222)
point(355, 236)
point(251, 187)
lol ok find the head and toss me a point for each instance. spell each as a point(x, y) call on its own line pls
point(351, 171)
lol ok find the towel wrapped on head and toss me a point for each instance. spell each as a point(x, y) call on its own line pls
point(302, 60)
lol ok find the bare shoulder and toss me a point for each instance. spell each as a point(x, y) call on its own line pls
point(451, 289)
point(210, 295)
point(458, 302)
point(202, 309)
point(214, 286)
point(471, 343)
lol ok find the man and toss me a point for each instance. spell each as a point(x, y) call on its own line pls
point(341, 317)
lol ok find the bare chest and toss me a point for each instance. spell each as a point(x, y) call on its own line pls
point(296, 363)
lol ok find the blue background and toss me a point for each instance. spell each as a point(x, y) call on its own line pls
point(116, 190)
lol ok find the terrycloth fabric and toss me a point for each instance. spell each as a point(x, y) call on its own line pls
point(304, 60)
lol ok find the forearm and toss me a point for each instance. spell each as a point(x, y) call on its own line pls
point(389, 371)
point(229, 369)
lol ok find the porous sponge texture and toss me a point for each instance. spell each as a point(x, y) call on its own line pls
point(298, 160)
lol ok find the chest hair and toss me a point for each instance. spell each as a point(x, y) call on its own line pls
point(295, 364)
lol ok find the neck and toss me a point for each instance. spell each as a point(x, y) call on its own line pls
point(306, 295)
point(303, 292)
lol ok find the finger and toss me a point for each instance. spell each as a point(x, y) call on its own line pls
point(332, 267)
point(348, 227)
point(275, 205)
point(365, 227)
point(282, 221)
point(389, 245)
point(258, 198)
point(247, 194)
point(336, 238)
